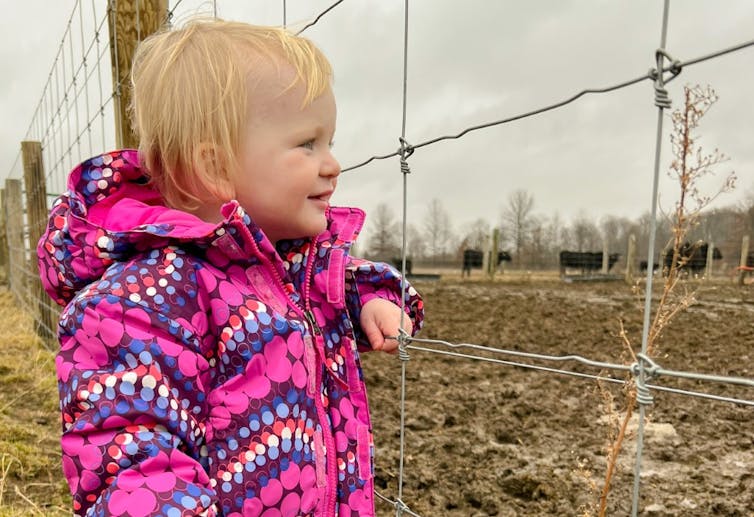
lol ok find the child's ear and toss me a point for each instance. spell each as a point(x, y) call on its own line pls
point(213, 173)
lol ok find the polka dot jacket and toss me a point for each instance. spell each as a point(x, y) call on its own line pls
point(203, 370)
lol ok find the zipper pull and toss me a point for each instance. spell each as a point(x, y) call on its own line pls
point(313, 322)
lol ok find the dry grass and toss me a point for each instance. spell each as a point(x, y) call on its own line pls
point(31, 479)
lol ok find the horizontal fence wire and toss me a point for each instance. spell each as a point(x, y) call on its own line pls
point(399, 505)
point(319, 17)
point(630, 82)
point(629, 369)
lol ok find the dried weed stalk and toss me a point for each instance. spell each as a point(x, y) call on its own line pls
point(690, 164)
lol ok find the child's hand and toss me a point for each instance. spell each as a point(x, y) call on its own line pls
point(380, 318)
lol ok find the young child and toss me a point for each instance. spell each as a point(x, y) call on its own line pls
point(208, 357)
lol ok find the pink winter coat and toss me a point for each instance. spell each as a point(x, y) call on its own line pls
point(202, 370)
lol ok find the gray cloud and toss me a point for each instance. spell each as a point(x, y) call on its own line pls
point(475, 62)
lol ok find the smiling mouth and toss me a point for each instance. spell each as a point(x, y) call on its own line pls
point(325, 197)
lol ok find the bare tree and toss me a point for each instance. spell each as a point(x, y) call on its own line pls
point(416, 244)
point(538, 246)
point(746, 210)
point(476, 236)
point(584, 234)
point(615, 232)
point(438, 229)
point(554, 233)
point(384, 242)
point(517, 218)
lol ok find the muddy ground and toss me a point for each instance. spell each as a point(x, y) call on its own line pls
point(490, 439)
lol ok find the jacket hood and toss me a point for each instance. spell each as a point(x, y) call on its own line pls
point(110, 212)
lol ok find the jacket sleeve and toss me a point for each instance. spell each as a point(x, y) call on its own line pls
point(133, 408)
point(367, 280)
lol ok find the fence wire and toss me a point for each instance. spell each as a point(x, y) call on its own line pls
point(74, 116)
point(676, 65)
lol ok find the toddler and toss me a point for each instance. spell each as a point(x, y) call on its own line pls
point(212, 315)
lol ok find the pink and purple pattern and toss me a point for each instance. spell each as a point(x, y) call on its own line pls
point(202, 370)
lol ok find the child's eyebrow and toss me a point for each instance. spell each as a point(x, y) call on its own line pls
point(317, 129)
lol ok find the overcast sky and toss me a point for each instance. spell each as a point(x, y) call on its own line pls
point(470, 63)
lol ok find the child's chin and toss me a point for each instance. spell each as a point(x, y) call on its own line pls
point(314, 230)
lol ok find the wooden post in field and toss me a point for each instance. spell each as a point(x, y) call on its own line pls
point(744, 256)
point(3, 237)
point(36, 215)
point(15, 233)
point(708, 265)
point(486, 246)
point(631, 259)
point(494, 253)
point(130, 21)
point(605, 257)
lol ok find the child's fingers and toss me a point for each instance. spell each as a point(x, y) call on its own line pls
point(374, 335)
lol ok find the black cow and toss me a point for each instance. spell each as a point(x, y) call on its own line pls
point(692, 258)
point(473, 259)
point(398, 263)
point(643, 266)
point(586, 261)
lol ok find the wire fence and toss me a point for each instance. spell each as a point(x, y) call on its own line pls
point(75, 117)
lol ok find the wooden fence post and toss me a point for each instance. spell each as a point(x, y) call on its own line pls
point(492, 264)
point(708, 265)
point(15, 233)
point(744, 256)
point(36, 216)
point(631, 260)
point(3, 237)
point(129, 21)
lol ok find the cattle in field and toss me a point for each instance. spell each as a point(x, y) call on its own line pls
point(585, 261)
point(473, 259)
point(692, 258)
point(643, 266)
point(398, 263)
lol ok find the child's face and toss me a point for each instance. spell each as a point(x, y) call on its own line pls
point(287, 170)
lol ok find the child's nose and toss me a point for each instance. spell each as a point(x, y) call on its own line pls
point(330, 166)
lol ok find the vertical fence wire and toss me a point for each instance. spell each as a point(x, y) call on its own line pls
point(402, 352)
point(650, 258)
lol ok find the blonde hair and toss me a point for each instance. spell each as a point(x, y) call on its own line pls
point(190, 100)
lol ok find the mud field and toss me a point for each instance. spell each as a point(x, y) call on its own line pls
point(489, 439)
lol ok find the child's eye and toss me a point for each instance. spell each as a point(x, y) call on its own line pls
point(309, 144)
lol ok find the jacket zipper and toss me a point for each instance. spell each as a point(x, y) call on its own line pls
point(307, 313)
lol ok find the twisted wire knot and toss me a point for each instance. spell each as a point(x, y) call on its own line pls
point(643, 395)
point(405, 151)
point(403, 340)
point(400, 506)
point(662, 99)
point(651, 369)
